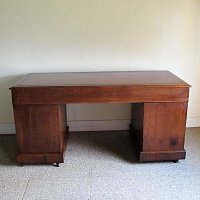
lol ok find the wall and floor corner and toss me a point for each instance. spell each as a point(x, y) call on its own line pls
point(49, 36)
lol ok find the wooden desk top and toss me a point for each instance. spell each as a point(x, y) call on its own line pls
point(142, 78)
point(100, 87)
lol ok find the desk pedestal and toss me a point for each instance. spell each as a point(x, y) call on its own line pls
point(41, 133)
point(158, 130)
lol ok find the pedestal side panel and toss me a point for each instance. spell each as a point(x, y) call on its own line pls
point(38, 128)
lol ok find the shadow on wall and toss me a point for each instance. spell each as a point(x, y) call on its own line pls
point(6, 100)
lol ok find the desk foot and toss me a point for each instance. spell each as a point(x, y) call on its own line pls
point(175, 161)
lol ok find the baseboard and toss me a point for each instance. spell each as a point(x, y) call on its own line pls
point(99, 125)
point(193, 122)
point(8, 128)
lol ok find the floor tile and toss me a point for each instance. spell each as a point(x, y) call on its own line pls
point(144, 188)
point(77, 146)
point(117, 188)
point(77, 168)
point(57, 188)
point(111, 146)
point(12, 187)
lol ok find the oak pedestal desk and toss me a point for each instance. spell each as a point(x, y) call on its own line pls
point(158, 107)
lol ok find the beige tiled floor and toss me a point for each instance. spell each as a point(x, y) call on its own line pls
point(101, 165)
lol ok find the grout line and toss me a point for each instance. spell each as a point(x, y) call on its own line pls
point(89, 155)
point(26, 187)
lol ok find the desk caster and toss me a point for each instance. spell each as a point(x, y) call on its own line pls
point(57, 164)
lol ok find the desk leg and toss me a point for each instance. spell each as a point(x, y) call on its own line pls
point(41, 133)
point(159, 130)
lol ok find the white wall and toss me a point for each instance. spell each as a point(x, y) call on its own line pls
point(93, 35)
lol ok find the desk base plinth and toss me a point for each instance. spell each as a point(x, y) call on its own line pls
point(162, 156)
point(151, 156)
point(40, 158)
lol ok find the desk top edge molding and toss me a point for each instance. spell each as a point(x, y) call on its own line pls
point(96, 79)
